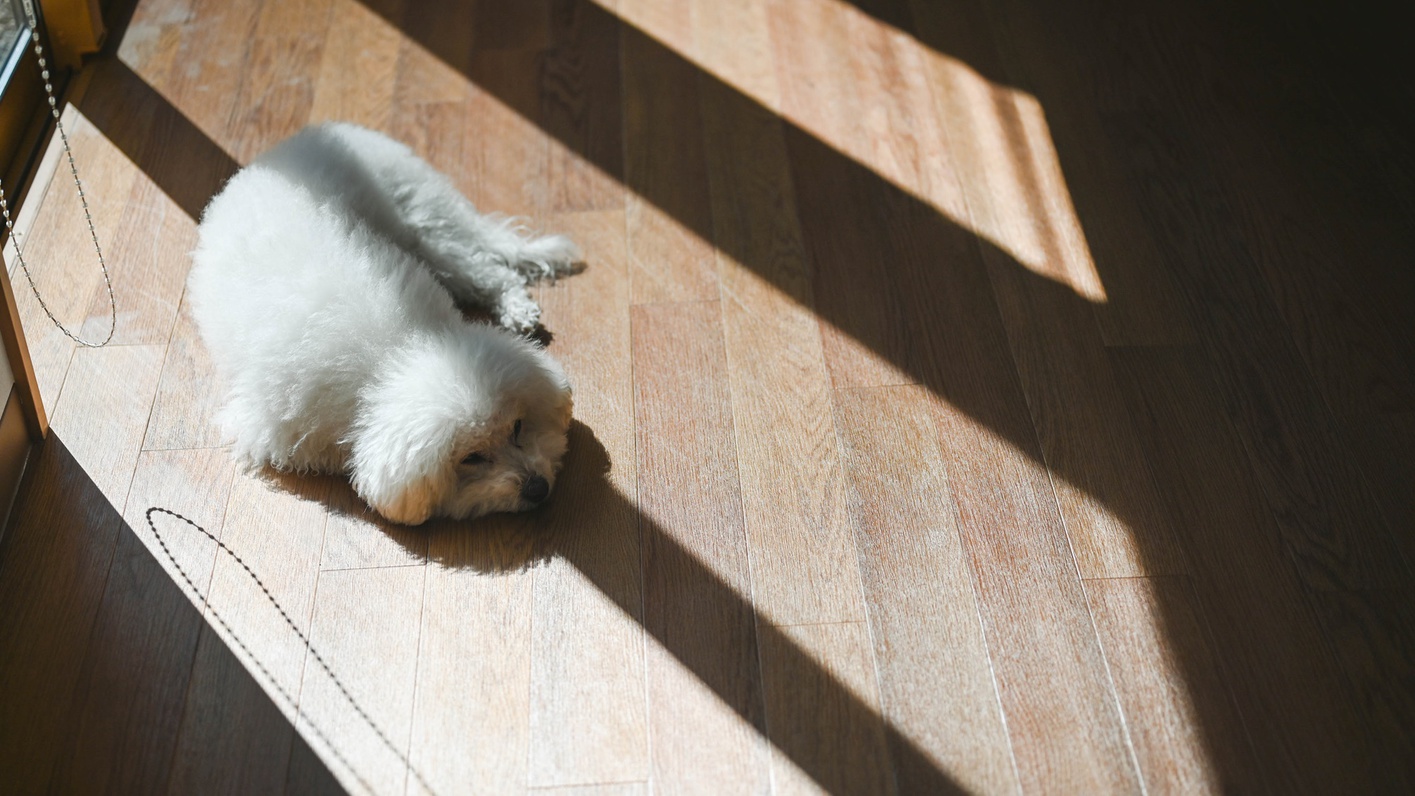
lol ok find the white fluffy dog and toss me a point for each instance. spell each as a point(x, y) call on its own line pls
point(323, 285)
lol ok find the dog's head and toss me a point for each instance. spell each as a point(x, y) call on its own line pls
point(461, 427)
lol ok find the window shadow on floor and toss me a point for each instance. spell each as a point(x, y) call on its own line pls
point(114, 683)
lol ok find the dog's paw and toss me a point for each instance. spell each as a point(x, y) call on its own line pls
point(518, 312)
point(548, 257)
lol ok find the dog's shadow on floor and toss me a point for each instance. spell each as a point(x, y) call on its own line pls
point(570, 520)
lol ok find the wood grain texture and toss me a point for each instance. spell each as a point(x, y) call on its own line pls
point(936, 679)
point(1155, 644)
point(1344, 321)
point(589, 721)
point(1039, 630)
point(195, 484)
point(1327, 509)
point(945, 329)
point(130, 699)
point(1017, 200)
point(1141, 304)
point(792, 492)
point(472, 703)
point(189, 393)
point(818, 743)
point(276, 90)
point(148, 257)
point(669, 211)
point(355, 537)
point(733, 41)
point(59, 235)
point(358, 68)
point(275, 524)
point(1287, 686)
point(704, 678)
point(506, 154)
point(941, 309)
point(864, 341)
point(54, 562)
point(359, 709)
point(117, 384)
point(207, 87)
point(227, 709)
point(581, 107)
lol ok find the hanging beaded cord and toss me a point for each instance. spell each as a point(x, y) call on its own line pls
point(78, 185)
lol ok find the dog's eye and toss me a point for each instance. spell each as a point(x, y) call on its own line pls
point(516, 433)
point(475, 458)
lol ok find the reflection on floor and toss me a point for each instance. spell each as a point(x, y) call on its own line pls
point(981, 396)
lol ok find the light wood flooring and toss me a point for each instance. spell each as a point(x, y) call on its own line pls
point(976, 396)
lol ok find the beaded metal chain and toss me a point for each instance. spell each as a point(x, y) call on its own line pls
point(83, 200)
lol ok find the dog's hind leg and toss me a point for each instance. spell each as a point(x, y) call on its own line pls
point(484, 260)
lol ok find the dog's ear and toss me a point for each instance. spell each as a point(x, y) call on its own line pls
point(400, 468)
point(400, 449)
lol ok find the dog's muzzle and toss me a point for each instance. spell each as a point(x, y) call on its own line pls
point(535, 489)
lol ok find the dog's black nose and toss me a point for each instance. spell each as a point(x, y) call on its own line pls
point(535, 489)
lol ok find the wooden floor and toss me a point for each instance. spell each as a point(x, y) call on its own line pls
point(983, 395)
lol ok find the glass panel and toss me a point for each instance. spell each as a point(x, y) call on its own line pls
point(10, 16)
point(13, 29)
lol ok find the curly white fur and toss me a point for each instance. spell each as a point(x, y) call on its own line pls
point(324, 283)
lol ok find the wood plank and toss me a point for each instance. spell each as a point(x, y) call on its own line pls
point(148, 261)
point(792, 492)
point(1291, 695)
point(472, 698)
point(671, 25)
point(581, 108)
point(513, 26)
point(227, 710)
point(1328, 511)
point(358, 68)
point(129, 701)
point(732, 42)
point(1045, 282)
point(818, 743)
point(1187, 733)
point(189, 393)
point(1138, 300)
point(588, 719)
point(428, 75)
point(195, 484)
point(669, 211)
point(504, 148)
point(1066, 728)
point(60, 235)
point(176, 156)
point(275, 524)
point(936, 678)
point(864, 341)
point(207, 87)
point(278, 79)
point(54, 561)
point(102, 414)
point(704, 681)
point(1373, 634)
point(356, 697)
point(615, 789)
point(356, 537)
point(950, 337)
point(1327, 281)
point(306, 775)
point(814, 72)
point(441, 28)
